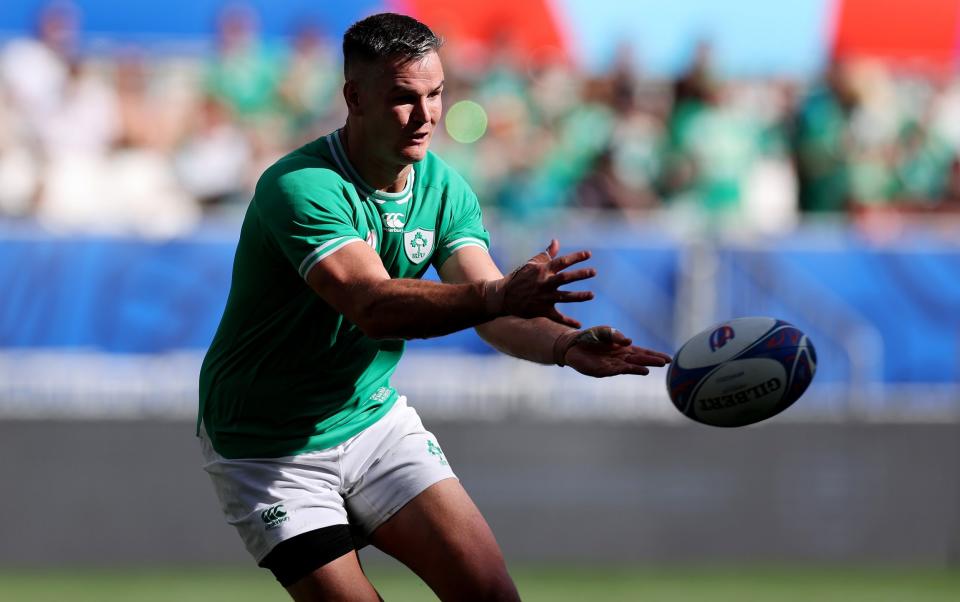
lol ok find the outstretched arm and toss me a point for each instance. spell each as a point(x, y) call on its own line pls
point(354, 281)
point(597, 351)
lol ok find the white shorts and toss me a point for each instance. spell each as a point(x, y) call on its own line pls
point(361, 482)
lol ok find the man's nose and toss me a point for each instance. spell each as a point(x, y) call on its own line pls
point(421, 110)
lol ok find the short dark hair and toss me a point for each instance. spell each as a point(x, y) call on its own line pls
point(388, 35)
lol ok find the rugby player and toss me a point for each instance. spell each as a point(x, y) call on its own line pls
point(312, 453)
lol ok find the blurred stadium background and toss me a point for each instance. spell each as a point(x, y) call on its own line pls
point(722, 159)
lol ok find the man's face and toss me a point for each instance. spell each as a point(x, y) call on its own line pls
point(399, 103)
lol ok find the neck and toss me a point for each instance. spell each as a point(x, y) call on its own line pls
point(382, 176)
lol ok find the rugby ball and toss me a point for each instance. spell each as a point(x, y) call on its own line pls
point(741, 371)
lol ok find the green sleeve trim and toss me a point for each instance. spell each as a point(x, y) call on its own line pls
point(466, 241)
point(323, 251)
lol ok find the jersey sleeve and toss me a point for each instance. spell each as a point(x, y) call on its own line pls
point(461, 226)
point(307, 226)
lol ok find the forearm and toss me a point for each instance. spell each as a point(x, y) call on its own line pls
point(529, 339)
point(414, 309)
point(355, 283)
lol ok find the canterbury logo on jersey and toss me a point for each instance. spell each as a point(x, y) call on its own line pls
point(393, 222)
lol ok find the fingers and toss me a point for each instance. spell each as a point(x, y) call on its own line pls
point(605, 337)
point(549, 253)
point(613, 336)
point(560, 318)
point(565, 261)
point(615, 367)
point(561, 278)
point(604, 351)
point(665, 357)
point(633, 369)
point(639, 357)
point(541, 257)
point(572, 296)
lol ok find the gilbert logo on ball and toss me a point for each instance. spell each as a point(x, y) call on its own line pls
point(741, 371)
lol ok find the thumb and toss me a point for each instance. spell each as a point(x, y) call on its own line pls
point(546, 255)
point(605, 336)
point(612, 336)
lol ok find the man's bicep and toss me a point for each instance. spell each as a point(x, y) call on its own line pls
point(306, 225)
point(343, 279)
point(469, 264)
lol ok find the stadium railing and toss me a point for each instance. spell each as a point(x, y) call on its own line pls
point(115, 327)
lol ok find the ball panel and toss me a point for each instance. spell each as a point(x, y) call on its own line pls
point(681, 383)
point(740, 392)
point(741, 371)
point(802, 371)
point(722, 342)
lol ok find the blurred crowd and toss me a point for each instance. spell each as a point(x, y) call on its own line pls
point(134, 141)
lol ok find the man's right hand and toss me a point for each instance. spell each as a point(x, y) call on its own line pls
point(531, 291)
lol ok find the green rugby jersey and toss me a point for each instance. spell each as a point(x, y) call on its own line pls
point(286, 373)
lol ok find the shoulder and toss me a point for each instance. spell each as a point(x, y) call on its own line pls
point(434, 172)
point(308, 167)
point(306, 175)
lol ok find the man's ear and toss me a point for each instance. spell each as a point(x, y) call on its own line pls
point(351, 94)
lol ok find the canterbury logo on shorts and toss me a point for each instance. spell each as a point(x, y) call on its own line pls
point(274, 516)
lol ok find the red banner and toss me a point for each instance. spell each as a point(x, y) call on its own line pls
point(916, 34)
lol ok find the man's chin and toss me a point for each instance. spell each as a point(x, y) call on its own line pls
point(414, 153)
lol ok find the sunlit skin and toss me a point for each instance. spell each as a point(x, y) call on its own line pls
point(394, 107)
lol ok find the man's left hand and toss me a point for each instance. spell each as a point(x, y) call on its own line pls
point(604, 351)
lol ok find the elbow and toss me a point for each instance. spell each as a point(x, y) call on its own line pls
point(487, 332)
point(365, 310)
point(380, 328)
point(383, 332)
point(376, 324)
point(493, 333)
point(376, 329)
point(369, 324)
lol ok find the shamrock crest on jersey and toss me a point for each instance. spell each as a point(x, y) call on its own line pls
point(418, 244)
